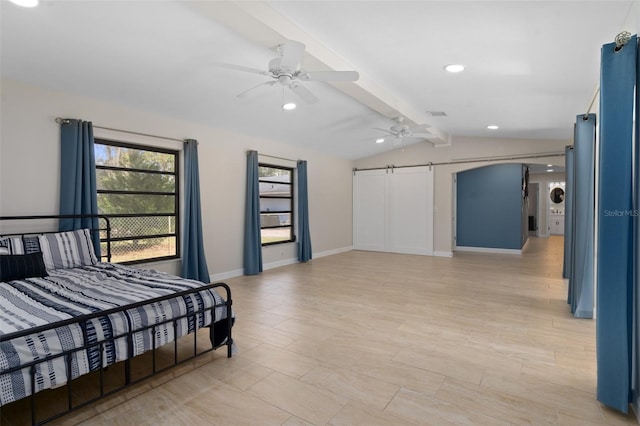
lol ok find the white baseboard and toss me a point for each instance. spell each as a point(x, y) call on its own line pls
point(489, 250)
point(332, 252)
point(279, 263)
point(239, 272)
point(413, 251)
point(443, 253)
point(293, 261)
point(226, 275)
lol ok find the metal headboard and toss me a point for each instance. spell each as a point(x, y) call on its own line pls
point(105, 228)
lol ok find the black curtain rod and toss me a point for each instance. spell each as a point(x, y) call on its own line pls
point(277, 158)
point(477, 160)
point(68, 120)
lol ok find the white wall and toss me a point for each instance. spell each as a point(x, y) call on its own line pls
point(461, 149)
point(30, 158)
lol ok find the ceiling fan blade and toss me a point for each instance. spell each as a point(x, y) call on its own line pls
point(304, 93)
point(384, 130)
point(329, 76)
point(291, 52)
point(267, 83)
point(240, 68)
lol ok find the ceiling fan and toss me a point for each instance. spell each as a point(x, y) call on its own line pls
point(399, 131)
point(285, 71)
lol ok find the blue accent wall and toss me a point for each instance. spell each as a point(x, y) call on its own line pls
point(490, 207)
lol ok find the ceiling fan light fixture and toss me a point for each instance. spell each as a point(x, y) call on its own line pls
point(25, 3)
point(289, 106)
point(379, 140)
point(454, 68)
point(493, 127)
point(285, 70)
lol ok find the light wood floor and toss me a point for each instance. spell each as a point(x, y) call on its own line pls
point(366, 338)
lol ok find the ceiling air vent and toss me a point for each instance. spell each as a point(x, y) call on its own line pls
point(437, 113)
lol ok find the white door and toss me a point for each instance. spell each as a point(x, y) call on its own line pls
point(393, 210)
point(410, 228)
point(369, 210)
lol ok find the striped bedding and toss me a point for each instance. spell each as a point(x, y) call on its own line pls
point(68, 293)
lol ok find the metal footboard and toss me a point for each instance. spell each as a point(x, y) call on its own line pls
point(128, 381)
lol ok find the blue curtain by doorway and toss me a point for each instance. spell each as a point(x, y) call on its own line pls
point(304, 245)
point(78, 195)
point(252, 237)
point(581, 278)
point(568, 214)
point(194, 261)
point(616, 213)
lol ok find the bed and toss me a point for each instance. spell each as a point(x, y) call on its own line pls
point(64, 314)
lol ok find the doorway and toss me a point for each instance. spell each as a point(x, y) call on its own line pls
point(533, 208)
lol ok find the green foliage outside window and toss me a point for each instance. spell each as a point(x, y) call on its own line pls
point(141, 183)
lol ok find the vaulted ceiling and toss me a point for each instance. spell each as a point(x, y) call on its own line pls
point(530, 66)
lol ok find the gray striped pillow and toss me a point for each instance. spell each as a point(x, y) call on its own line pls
point(70, 249)
point(5, 246)
point(11, 245)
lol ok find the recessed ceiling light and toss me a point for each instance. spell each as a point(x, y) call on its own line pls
point(549, 170)
point(25, 3)
point(493, 127)
point(454, 68)
point(549, 165)
point(380, 140)
point(289, 106)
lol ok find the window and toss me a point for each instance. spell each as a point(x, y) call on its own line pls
point(276, 204)
point(138, 189)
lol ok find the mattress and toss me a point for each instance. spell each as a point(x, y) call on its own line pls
point(69, 293)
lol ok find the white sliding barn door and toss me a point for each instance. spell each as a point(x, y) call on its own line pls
point(369, 189)
point(410, 225)
point(393, 210)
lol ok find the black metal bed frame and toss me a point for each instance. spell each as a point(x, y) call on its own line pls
point(225, 327)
